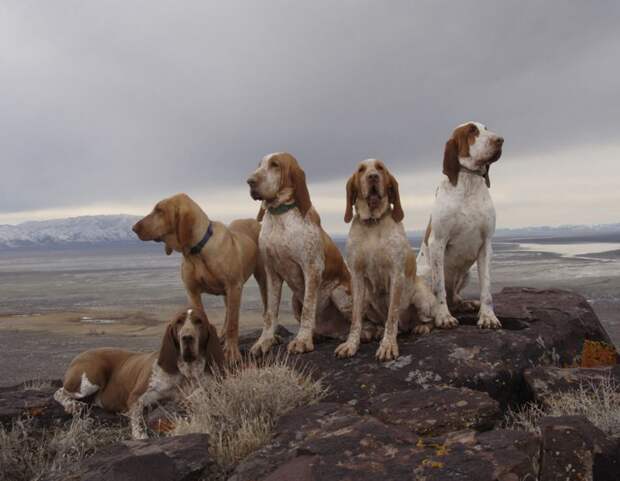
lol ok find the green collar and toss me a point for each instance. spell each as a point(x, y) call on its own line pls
point(282, 208)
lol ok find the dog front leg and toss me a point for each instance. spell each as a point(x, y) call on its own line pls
point(231, 327)
point(270, 319)
point(437, 250)
point(486, 318)
point(136, 420)
point(303, 341)
point(352, 344)
point(388, 349)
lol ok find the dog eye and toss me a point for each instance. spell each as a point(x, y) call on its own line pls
point(361, 169)
point(273, 164)
point(198, 320)
point(379, 167)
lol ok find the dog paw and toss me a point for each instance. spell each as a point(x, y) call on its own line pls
point(423, 329)
point(232, 353)
point(299, 345)
point(346, 349)
point(388, 350)
point(263, 345)
point(446, 321)
point(488, 320)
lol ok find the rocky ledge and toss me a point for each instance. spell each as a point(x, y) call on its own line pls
point(436, 412)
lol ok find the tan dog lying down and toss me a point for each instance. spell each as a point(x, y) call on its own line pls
point(127, 382)
point(382, 262)
point(216, 259)
point(297, 250)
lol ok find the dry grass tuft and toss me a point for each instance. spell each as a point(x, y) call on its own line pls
point(239, 409)
point(598, 402)
point(37, 385)
point(29, 455)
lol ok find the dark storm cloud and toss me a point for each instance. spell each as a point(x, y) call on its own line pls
point(126, 101)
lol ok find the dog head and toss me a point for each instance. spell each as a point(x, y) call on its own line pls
point(473, 146)
point(373, 190)
point(279, 179)
point(171, 221)
point(190, 338)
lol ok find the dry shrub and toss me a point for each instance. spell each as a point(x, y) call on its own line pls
point(27, 454)
point(239, 408)
point(599, 402)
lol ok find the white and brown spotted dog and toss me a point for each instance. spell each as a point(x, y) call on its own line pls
point(128, 382)
point(297, 250)
point(217, 259)
point(382, 262)
point(462, 225)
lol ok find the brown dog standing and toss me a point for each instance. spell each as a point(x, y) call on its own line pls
point(216, 259)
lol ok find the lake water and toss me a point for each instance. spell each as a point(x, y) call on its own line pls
point(142, 278)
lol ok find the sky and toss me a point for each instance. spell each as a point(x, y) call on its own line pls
point(107, 107)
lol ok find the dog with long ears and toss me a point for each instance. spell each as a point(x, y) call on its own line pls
point(128, 382)
point(382, 262)
point(297, 250)
point(462, 225)
point(217, 259)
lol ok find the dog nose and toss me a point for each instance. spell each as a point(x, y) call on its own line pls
point(499, 141)
point(187, 339)
point(251, 182)
point(373, 177)
point(135, 227)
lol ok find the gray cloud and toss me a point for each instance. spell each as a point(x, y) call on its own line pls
point(126, 101)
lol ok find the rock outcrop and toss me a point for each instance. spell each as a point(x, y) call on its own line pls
point(435, 413)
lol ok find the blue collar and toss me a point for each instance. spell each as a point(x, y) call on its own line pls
point(198, 247)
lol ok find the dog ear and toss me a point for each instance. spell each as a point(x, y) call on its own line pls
point(300, 188)
point(487, 180)
point(212, 349)
point(185, 220)
point(169, 351)
point(261, 214)
point(451, 165)
point(394, 199)
point(351, 198)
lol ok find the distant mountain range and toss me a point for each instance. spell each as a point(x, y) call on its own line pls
point(105, 229)
point(90, 229)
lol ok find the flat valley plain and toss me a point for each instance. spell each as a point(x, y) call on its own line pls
point(57, 302)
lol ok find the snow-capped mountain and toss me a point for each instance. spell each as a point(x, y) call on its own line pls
point(84, 229)
point(97, 229)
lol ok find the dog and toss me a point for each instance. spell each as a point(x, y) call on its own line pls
point(462, 224)
point(216, 259)
point(382, 262)
point(128, 382)
point(297, 250)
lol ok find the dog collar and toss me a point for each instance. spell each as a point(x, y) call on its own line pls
point(479, 173)
point(205, 238)
point(282, 208)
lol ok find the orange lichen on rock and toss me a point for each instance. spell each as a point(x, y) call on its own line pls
point(596, 354)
